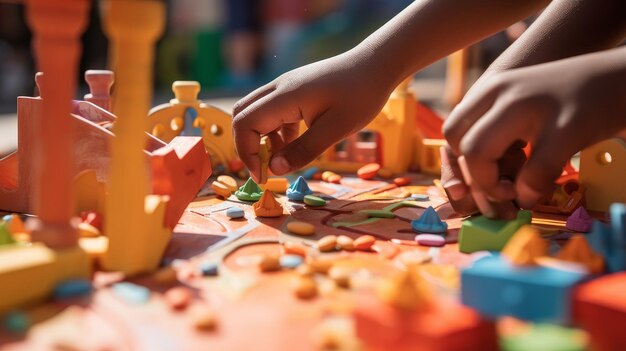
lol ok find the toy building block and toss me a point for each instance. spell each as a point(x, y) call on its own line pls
point(29, 273)
point(600, 309)
point(298, 190)
point(495, 287)
point(265, 153)
point(134, 220)
point(100, 82)
point(179, 171)
point(409, 318)
point(525, 247)
point(185, 114)
point(267, 206)
point(481, 233)
point(577, 250)
point(579, 220)
point(429, 222)
point(602, 170)
point(610, 240)
point(566, 198)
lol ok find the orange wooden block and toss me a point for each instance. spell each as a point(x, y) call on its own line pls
point(525, 247)
point(179, 171)
point(600, 308)
point(577, 250)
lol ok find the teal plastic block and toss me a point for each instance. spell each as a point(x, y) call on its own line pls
point(610, 240)
point(481, 233)
point(494, 287)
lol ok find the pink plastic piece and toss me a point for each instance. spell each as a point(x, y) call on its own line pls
point(579, 221)
point(430, 240)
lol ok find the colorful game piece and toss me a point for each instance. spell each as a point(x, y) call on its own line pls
point(293, 248)
point(429, 222)
point(269, 263)
point(345, 242)
point(364, 242)
point(545, 337)
point(314, 201)
point(525, 247)
point(419, 197)
point(306, 288)
point(577, 250)
point(5, 235)
point(267, 206)
point(235, 212)
point(432, 240)
point(291, 261)
point(131, 293)
point(327, 243)
point(298, 190)
point(600, 309)
point(481, 233)
point(178, 297)
point(301, 228)
point(402, 181)
point(610, 240)
point(368, 171)
point(229, 181)
point(341, 276)
point(326, 175)
point(276, 185)
point(209, 269)
point(579, 221)
point(309, 172)
point(16, 322)
point(249, 191)
point(265, 154)
point(72, 288)
point(495, 287)
point(335, 179)
point(378, 213)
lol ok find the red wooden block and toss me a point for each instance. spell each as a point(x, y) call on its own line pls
point(600, 308)
point(444, 326)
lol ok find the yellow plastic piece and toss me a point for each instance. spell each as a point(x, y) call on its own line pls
point(265, 153)
point(577, 250)
point(221, 189)
point(215, 124)
point(229, 182)
point(602, 171)
point(29, 273)
point(525, 247)
point(267, 206)
point(276, 185)
point(88, 192)
point(401, 140)
point(407, 290)
point(133, 219)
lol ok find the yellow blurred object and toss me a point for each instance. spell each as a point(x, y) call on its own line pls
point(577, 250)
point(602, 171)
point(525, 247)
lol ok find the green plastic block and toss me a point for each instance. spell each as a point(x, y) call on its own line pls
point(481, 233)
point(545, 337)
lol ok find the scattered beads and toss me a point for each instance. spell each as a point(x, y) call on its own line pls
point(364, 243)
point(235, 212)
point(301, 228)
point(269, 263)
point(178, 297)
point(221, 189)
point(327, 243)
point(314, 201)
point(402, 181)
point(306, 288)
point(345, 243)
point(229, 182)
point(292, 248)
point(368, 171)
point(290, 261)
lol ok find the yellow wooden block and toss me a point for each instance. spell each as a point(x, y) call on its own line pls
point(29, 273)
point(276, 185)
point(265, 153)
point(602, 172)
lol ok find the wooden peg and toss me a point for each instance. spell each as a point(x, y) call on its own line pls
point(100, 82)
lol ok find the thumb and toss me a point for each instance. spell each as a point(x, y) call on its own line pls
point(325, 131)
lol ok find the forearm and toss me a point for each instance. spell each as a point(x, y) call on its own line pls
point(428, 30)
point(566, 28)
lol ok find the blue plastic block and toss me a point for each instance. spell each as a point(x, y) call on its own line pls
point(495, 288)
point(131, 293)
point(481, 233)
point(610, 240)
point(72, 288)
point(298, 190)
point(209, 269)
point(429, 222)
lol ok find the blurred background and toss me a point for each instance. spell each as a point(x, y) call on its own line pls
point(233, 46)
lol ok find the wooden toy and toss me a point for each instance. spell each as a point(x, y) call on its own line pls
point(496, 287)
point(610, 240)
point(566, 198)
point(481, 233)
point(133, 218)
point(276, 185)
point(602, 170)
point(265, 154)
point(599, 307)
point(187, 115)
point(100, 83)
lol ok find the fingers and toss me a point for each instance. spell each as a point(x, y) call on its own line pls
point(544, 166)
point(252, 97)
point(326, 130)
point(485, 144)
point(451, 176)
point(261, 117)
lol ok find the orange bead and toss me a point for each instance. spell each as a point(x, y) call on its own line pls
point(402, 181)
point(364, 243)
point(368, 171)
point(335, 178)
point(178, 297)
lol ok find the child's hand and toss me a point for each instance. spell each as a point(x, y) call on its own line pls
point(334, 97)
point(559, 107)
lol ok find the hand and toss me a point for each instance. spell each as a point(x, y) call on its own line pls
point(334, 97)
point(559, 107)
